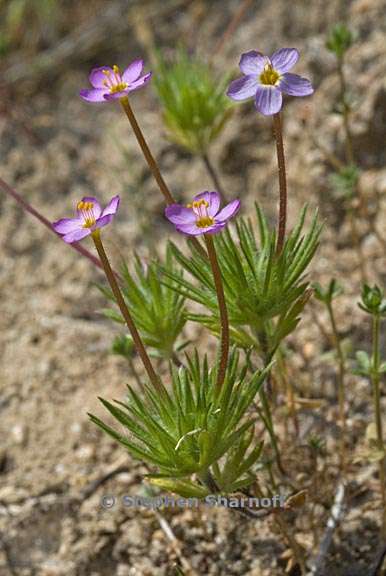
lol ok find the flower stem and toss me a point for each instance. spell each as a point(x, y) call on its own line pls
point(154, 168)
point(31, 210)
point(278, 132)
point(213, 174)
point(125, 312)
point(222, 307)
point(146, 151)
point(341, 383)
point(378, 417)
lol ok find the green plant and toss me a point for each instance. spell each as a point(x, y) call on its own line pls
point(158, 311)
point(194, 105)
point(265, 293)
point(192, 427)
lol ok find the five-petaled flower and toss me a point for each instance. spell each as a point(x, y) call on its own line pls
point(89, 218)
point(266, 79)
point(109, 84)
point(203, 215)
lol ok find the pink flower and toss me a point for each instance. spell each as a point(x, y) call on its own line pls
point(202, 216)
point(109, 84)
point(89, 218)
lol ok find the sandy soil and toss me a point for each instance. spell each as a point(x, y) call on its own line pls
point(55, 344)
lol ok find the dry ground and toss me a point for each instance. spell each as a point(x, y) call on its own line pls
point(55, 345)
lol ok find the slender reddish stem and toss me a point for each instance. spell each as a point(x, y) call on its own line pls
point(223, 310)
point(278, 131)
point(169, 198)
point(31, 210)
point(125, 313)
point(146, 151)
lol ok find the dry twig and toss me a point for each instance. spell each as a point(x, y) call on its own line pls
point(337, 510)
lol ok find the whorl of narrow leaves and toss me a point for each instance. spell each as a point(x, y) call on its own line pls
point(192, 427)
point(345, 181)
point(195, 108)
point(158, 311)
point(373, 300)
point(327, 295)
point(259, 286)
point(340, 39)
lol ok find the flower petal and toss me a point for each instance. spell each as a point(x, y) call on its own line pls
point(112, 206)
point(216, 228)
point(133, 71)
point(67, 225)
point(213, 199)
point(252, 62)
point(140, 82)
point(295, 85)
point(243, 88)
point(103, 221)
point(97, 77)
point(93, 95)
point(268, 100)
point(116, 95)
point(284, 59)
point(192, 229)
point(179, 214)
point(228, 211)
point(96, 208)
point(76, 235)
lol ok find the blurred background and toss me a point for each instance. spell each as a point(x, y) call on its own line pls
point(55, 343)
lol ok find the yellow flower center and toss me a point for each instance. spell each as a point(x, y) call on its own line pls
point(114, 81)
point(200, 208)
point(270, 76)
point(86, 208)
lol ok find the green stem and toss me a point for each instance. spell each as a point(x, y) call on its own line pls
point(378, 416)
point(278, 132)
point(136, 375)
point(224, 351)
point(266, 415)
point(346, 113)
point(341, 380)
point(213, 174)
point(281, 364)
point(357, 242)
point(125, 312)
point(208, 480)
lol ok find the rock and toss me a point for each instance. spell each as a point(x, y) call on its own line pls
point(19, 433)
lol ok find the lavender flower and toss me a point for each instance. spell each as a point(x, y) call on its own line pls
point(90, 217)
point(109, 84)
point(266, 79)
point(202, 216)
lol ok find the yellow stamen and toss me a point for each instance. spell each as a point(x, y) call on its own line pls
point(203, 219)
point(270, 76)
point(86, 208)
point(204, 222)
point(114, 83)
